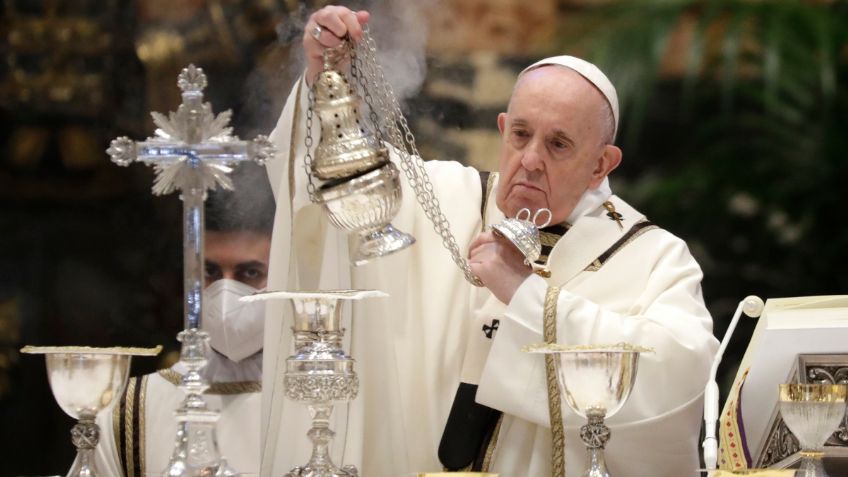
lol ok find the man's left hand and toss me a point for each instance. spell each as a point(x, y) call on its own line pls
point(498, 264)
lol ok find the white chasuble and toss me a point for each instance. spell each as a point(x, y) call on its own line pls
point(413, 348)
point(138, 437)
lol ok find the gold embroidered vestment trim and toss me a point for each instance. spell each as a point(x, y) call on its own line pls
point(554, 402)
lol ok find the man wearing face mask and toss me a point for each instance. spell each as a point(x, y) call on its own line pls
point(137, 438)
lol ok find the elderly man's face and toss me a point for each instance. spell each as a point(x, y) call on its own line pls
point(553, 143)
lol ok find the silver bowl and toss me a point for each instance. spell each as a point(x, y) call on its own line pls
point(597, 382)
point(366, 205)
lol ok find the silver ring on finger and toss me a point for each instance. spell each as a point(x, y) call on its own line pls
point(316, 32)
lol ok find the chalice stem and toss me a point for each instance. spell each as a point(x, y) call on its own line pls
point(595, 435)
point(811, 464)
point(85, 435)
point(597, 465)
point(321, 434)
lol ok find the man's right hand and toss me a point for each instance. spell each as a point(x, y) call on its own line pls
point(334, 23)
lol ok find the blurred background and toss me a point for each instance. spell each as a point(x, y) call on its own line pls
point(733, 130)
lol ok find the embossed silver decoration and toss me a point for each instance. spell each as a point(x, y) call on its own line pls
point(86, 381)
point(812, 412)
point(193, 150)
point(365, 205)
point(348, 148)
point(320, 373)
point(523, 232)
point(595, 383)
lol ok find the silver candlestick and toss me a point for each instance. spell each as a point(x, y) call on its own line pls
point(320, 373)
point(193, 150)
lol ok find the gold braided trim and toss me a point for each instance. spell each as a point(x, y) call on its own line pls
point(116, 419)
point(235, 387)
point(548, 238)
point(490, 449)
point(597, 264)
point(554, 403)
point(594, 266)
point(128, 427)
point(142, 456)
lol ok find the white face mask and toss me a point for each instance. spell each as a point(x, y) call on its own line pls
point(235, 328)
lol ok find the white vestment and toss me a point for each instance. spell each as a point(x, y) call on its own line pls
point(138, 436)
point(413, 348)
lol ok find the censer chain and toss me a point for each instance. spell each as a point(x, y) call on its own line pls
point(369, 74)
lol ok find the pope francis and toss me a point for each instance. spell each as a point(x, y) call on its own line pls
point(443, 380)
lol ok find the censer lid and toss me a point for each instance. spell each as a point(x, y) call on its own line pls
point(332, 85)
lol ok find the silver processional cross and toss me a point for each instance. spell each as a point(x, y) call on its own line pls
point(193, 151)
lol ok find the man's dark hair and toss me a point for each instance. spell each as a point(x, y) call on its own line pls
point(250, 207)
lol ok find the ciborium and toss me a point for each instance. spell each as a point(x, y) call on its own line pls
point(812, 412)
point(320, 373)
point(596, 381)
point(86, 381)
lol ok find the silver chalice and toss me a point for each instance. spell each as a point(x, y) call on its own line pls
point(596, 381)
point(812, 412)
point(84, 382)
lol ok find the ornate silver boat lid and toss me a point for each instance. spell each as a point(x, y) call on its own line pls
point(524, 232)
